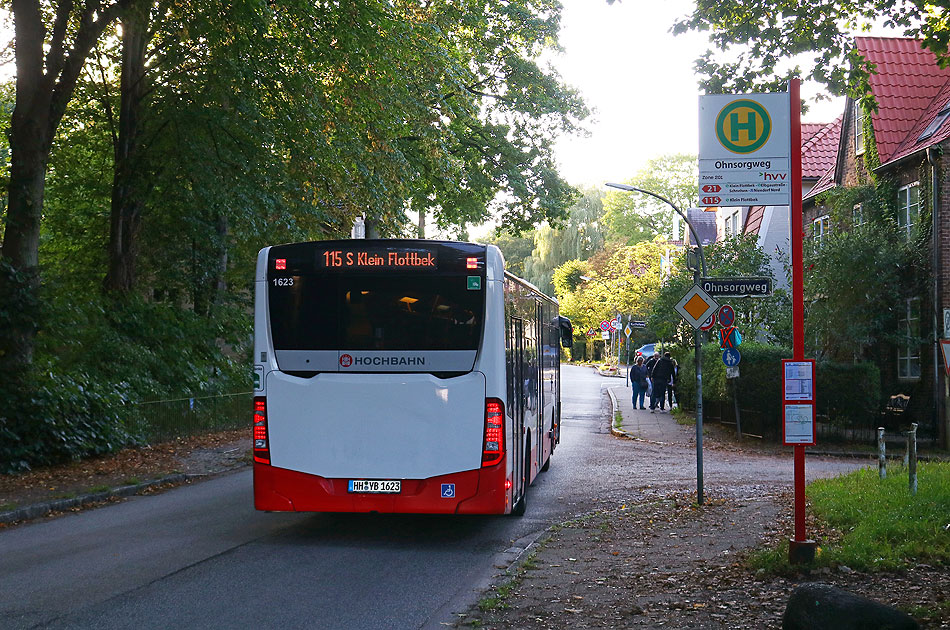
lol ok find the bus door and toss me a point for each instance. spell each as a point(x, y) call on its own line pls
point(517, 405)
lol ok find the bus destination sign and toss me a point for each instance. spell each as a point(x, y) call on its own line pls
point(377, 258)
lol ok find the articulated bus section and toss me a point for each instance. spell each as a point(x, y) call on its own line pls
point(407, 388)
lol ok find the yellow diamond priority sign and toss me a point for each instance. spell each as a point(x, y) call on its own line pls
point(696, 306)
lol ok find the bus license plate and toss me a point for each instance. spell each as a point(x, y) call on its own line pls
point(375, 485)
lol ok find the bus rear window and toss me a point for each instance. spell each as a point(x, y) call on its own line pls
point(320, 311)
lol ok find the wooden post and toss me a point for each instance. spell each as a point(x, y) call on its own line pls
point(881, 460)
point(912, 453)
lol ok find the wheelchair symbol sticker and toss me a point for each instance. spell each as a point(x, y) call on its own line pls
point(448, 490)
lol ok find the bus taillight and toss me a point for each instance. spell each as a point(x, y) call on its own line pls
point(261, 447)
point(493, 447)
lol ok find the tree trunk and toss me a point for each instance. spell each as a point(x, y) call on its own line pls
point(47, 70)
point(19, 273)
point(127, 197)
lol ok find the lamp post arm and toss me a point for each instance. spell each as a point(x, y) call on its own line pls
point(692, 229)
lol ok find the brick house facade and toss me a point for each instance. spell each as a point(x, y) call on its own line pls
point(905, 143)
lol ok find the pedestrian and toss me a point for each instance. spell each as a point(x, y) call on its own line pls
point(638, 382)
point(649, 367)
point(661, 373)
point(671, 386)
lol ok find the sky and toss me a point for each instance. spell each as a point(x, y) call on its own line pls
point(639, 79)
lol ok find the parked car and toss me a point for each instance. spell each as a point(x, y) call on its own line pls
point(645, 351)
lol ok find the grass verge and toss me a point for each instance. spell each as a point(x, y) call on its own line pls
point(868, 524)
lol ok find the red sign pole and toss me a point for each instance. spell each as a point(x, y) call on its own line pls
point(800, 549)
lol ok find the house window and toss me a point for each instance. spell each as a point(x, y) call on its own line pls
point(858, 128)
point(731, 227)
point(908, 352)
point(820, 228)
point(857, 215)
point(908, 207)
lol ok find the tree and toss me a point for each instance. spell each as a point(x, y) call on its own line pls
point(515, 250)
point(756, 42)
point(857, 280)
point(48, 64)
point(633, 217)
point(581, 236)
point(736, 256)
point(619, 279)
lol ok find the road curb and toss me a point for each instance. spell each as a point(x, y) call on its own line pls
point(39, 510)
point(617, 431)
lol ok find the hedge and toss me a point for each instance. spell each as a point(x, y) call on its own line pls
point(846, 393)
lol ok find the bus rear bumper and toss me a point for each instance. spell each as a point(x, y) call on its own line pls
point(471, 492)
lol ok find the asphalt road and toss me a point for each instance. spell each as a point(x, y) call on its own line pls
point(200, 557)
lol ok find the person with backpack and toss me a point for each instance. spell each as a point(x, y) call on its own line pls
point(660, 375)
point(638, 382)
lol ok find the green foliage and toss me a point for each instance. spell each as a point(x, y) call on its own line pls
point(261, 123)
point(621, 280)
point(877, 523)
point(578, 238)
point(848, 394)
point(740, 255)
point(856, 281)
point(753, 43)
point(632, 217)
point(515, 249)
point(72, 417)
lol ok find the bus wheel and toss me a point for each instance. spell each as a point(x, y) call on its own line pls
point(547, 463)
point(521, 505)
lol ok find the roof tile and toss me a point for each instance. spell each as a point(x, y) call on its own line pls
point(820, 150)
point(906, 81)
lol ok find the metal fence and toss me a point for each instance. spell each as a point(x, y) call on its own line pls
point(162, 420)
point(769, 427)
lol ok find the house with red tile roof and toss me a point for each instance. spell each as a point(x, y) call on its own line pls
point(770, 223)
point(899, 138)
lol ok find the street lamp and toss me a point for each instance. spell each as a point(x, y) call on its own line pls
point(698, 344)
point(692, 229)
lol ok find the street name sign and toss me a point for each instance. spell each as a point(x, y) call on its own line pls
point(757, 286)
point(696, 306)
point(744, 150)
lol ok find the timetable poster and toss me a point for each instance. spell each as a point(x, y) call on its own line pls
point(799, 424)
point(799, 380)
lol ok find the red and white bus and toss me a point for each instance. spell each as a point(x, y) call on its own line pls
point(404, 376)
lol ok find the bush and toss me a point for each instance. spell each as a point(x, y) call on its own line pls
point(714, 375)
point(848, 393)
point(59, 418)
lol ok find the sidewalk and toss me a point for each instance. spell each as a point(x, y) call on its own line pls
point(640, 424)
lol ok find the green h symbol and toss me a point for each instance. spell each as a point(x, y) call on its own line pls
point(735, 126)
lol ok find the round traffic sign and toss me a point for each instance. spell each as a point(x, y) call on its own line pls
point(727, 316)
point(731, 357)
point(614, 324)
point(709, 323)
point(605, 325)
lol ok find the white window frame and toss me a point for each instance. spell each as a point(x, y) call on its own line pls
point(908, 207)
point(857, 215)
point(731, 224)
point(859, 116)
point(820, 227)
point(908, 350)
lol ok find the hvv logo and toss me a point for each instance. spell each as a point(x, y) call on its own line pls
point(774, 176)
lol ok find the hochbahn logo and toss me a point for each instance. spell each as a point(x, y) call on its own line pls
point(743, 126)
point(347, 360)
